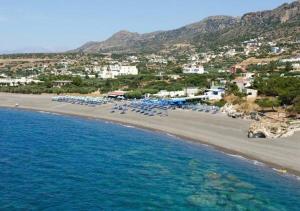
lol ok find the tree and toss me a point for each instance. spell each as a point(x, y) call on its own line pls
point(288, 67)
point(272, 66)
point(286, 88)
point(220, 103)
point(177, 70)
point(296, 104)
point(48, 83)
point(134, 95)
point(232, 89)
point(77, 81)
point(268, 103)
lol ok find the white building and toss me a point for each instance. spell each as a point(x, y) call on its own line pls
point(249, 76)
point(156, 59)
point(230, 53)
point(3, 75)
point(194, 57)
point(128, 70)
point(189, 92)
point(17, 81)
point(112, 71)
point(251, 93)
point(193, 69)
point(133, 59)
point(242, 83)
point(296, 66)
point(213, 94)
point(292, 60)
point(276, 50)
point(165, 93)
point(174, 76)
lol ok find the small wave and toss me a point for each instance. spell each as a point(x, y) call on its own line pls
point(285, 173)
point(290, 175)
point(47, 112)
point(237, 156)
point(128, 126)
point(43, 112)
point(293, 176)
point(171, 135)
point(257, 163)
point(206, 145)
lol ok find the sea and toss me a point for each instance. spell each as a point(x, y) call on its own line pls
point(56, 162)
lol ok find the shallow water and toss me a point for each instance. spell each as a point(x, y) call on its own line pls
point(54, 162)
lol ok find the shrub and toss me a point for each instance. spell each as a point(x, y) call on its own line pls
point(134, 95)
point(233, 89)
point(296, 105)
point(268, 103)
point(220, 103)
point(77, 81)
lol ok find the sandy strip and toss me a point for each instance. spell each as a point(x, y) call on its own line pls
point(226, 134)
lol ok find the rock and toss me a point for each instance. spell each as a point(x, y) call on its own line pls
point(268, 128)
point(238, 197)
point(203, 200)
point(244, 185)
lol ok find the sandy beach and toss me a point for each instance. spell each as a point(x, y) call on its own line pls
point(220, 131)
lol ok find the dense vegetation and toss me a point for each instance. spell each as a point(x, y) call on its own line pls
point(287, 89)
point(140, 84)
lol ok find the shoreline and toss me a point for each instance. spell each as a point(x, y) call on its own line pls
point(113, 118)
point(236, 154)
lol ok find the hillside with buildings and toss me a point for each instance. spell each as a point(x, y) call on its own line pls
point(202, 117)
point(248, 65)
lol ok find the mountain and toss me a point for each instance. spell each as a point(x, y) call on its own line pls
point(282, 22)
point(34, 49)
point(125, 41)
point(25, 50)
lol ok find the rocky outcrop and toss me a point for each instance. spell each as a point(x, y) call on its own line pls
point(232, 111)
point(282, 14)
point(265, 128)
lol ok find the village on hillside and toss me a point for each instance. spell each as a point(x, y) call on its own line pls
point(255, 78)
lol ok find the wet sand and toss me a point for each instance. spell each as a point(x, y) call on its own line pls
point(220, 131)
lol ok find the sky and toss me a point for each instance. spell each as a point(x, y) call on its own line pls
point(57, 25)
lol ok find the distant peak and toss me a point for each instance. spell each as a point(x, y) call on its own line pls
point(218, 17)
point(125, 32)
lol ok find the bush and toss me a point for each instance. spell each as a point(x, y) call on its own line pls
point(233, 89)
point(296, 105)
point(220, 103)
point(134, 95)
point(268, 103)
point(149, 91)
point(286, 88)
point(77, 81)
point(238, 100)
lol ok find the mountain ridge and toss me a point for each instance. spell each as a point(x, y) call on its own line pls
point(210, 31)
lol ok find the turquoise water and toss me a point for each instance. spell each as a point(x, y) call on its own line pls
point(52, 162)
